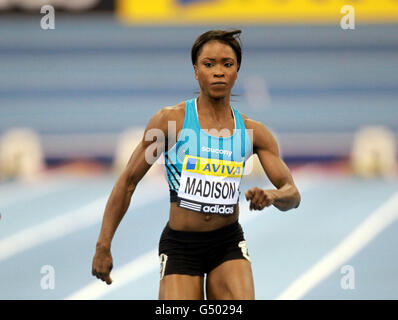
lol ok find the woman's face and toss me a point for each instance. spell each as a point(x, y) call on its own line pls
point(216, 69)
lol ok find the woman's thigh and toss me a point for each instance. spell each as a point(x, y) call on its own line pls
point(232, 280)
point(181, 287)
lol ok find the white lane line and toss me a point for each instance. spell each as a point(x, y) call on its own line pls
point(60, 226)
point(137, 268)
point(353, 243)
point(149, 262)
point(52, 229)
point(18, 193)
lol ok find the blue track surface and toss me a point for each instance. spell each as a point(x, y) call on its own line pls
point(282, 245)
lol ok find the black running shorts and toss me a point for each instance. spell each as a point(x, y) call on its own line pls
point(197, 253)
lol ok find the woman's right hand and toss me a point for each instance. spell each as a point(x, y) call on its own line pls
point(102, 264)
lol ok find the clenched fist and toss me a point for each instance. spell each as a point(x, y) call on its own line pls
point(260, 198)
point(102, 265)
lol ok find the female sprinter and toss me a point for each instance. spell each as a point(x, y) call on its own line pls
point(204, 162)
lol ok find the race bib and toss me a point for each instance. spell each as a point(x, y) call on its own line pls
point(210, 185)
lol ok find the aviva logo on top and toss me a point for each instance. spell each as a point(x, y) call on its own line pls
point(214, 167)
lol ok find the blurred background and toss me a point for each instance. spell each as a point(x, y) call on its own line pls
point(79, 81)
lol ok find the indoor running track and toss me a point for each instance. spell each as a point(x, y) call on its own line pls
point(299, 254)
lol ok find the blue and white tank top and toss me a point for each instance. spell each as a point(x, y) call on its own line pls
point(204, 171)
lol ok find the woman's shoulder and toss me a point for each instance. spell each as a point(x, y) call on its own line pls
point(251, 123)
point(161, 119)
point(261, 134)
point(174, 112)
point(170, 112)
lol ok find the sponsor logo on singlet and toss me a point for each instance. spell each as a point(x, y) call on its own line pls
point(212, 184)
point(218, 151)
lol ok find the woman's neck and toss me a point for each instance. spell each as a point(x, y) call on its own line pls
point(216, 108)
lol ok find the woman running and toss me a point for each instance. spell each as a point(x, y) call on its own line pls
point(204, 158)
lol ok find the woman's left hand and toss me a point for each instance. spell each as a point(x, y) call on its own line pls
point(260, 198)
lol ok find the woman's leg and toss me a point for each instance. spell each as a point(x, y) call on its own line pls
point(231, 280)
point(181, 287)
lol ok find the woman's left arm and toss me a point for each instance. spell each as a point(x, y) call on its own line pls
point(286, 195)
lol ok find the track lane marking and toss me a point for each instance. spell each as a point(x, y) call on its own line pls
point(347, 248)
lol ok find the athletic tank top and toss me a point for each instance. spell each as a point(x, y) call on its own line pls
point(204, 171)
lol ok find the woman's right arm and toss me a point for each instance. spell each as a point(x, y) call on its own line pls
point(119, 200)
